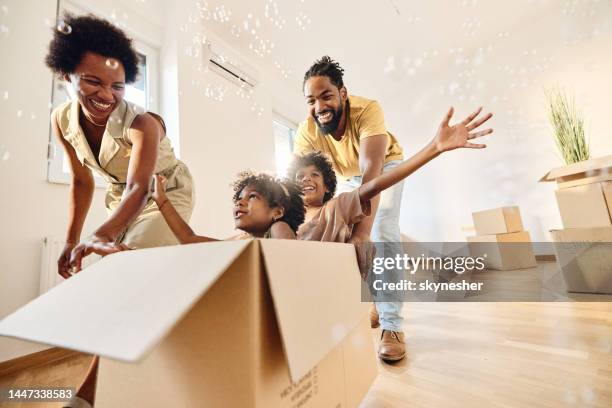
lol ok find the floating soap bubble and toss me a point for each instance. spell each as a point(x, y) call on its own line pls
point(64, 28)
point(19, 113)
point(112, 63)
point(302, 20)
point(6, 156)
point(33, 116)
point(5, 9)
point(5, 95)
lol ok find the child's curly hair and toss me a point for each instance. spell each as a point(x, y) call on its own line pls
point(322, 162)
point(278, 193)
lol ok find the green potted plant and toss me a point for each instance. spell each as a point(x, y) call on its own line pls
point(568, 126)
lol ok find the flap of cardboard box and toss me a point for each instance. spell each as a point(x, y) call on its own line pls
point(316, 293)
point(576, 169)
point(123, 305)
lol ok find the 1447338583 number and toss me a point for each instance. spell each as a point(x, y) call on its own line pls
point(25, 394)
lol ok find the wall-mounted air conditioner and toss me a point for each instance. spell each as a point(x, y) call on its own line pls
point(229, 64)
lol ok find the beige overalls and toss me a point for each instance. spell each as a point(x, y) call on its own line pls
point(149, 229)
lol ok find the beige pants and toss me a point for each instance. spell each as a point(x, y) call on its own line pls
point(150, 229)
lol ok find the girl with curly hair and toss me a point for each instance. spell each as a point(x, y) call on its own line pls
point(264, 207)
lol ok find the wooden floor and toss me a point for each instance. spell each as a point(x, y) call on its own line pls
point(500, 355)
point(468, 355)
point(68, 372)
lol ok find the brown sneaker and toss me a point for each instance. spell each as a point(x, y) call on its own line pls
point(392, 346)
point(374, 323)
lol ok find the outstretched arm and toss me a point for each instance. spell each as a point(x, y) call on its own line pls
point(179, 227)
point(448, 138)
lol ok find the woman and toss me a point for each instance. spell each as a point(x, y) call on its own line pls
point(100, 131)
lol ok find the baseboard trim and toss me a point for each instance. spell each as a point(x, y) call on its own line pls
point(34, 360)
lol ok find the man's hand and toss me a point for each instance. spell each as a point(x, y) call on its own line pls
point(93, 244)
point(458, 135)
point(365, 250)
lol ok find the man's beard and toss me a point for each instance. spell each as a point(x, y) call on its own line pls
point(331, 126)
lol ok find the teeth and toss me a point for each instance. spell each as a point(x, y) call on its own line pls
point(324, 116)
point(99, 105)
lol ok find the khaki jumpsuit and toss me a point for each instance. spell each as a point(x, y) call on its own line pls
point(149, 229)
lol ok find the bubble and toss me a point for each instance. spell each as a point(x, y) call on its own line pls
point(32, 116)
point(6, 95)
point(64, 28)
point(19, 113)
point(112, 63)
point(5, 9)
point(4, 29)
point(6, 156)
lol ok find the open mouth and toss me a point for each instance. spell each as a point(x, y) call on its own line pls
point(325, 117)
point(308, 189)
point(102, 107)
point(238, 214)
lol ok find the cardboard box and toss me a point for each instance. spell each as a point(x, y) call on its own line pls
point(498, 221)
point(585, 206)
point(584, 192)
point(256, 323)
point(504, 251)
point(585, 258)
point(585, 172)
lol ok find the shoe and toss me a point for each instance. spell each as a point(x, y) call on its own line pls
point(392, 346)
point(374, 323)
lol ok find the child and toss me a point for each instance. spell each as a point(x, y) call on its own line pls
point(264, 207)
point(330, 218)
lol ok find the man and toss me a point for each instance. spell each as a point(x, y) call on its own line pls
point(351, 130)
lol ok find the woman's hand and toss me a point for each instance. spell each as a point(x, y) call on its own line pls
point(94, 244)
point(63, 263)
point(159, 189)
point(459, 135)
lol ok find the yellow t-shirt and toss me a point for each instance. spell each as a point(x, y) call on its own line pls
point(365, 119)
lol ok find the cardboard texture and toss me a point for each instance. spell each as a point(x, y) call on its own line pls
point(585, 258)
point(498, 221)
point(585, 206)
point(585, 172)
point(504, 251)
point(264, 323)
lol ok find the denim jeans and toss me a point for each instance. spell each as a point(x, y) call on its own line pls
point(385, 229)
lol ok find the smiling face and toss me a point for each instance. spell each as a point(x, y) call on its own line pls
point(253, 214)
point(325, 103)
point(313, 185)
point(99, 83)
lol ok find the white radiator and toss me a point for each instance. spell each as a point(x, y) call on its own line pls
point(51, 250)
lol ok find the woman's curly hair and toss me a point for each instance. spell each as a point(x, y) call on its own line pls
point(326, 67)
point(278, 193)
point(322, 163)
point(89, 33)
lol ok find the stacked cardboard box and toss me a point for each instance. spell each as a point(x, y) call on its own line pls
point(501, 240)
point(221, 324)
point(584, 246)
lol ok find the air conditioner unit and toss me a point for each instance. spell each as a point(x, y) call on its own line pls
point(228, 64)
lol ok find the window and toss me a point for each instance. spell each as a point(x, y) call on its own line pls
point(284, 135)
point(143, 92)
